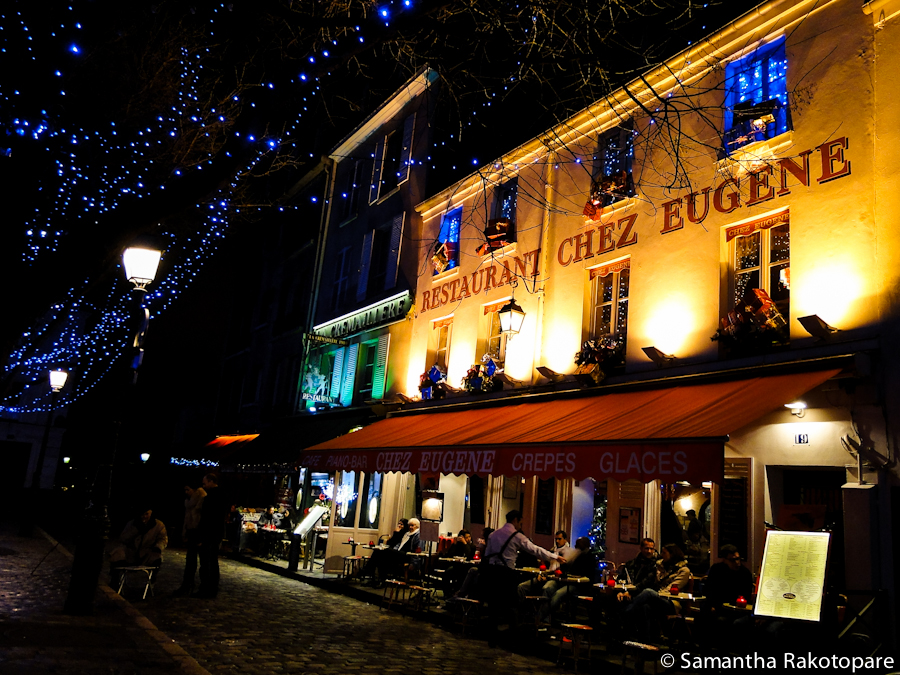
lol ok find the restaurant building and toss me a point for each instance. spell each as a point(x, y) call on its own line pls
point(707, 263)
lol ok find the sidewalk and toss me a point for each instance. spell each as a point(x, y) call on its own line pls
point(36, 637)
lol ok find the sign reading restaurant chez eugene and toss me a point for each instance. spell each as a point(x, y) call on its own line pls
point(764, 184)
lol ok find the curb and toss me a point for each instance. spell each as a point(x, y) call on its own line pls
point(187, 663)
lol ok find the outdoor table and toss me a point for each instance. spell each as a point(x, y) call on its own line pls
point(734, 608)
point(352, 544)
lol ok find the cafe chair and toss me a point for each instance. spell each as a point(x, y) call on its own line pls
point(353, 565)
point(576, 638)
point(395, 593)
point(465, 611)
point(640, 652)
point(145, 576)
point(420, 598)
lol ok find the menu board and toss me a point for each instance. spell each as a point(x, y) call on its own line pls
point(792, 576)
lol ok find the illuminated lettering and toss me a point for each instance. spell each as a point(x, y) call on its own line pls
point(671, 219)
point(833, 151)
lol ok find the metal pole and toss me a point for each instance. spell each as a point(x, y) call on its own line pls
point(26, 527)
point(94, 533)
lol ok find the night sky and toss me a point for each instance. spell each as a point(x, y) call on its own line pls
point(188, 121)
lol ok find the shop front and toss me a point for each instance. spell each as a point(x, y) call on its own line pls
point(653, 452)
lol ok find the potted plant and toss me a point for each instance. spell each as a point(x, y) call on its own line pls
point(597, 357)
point(754, 325)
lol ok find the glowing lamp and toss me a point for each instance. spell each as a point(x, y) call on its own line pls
point(145, 456)
point(741, 601)
point(798, 408)
point(511, 317)
point(674, 590)
point(658, 357)
point(141, 265)
point(66, 460)
point(432, 506)
point(58, 379)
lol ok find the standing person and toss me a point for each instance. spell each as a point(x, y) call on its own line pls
point(497, 572)
point(192, 506)
point(141, 543)
point(209, 537)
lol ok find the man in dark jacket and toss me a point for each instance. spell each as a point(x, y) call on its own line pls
point(641, 571)
point(209, 536)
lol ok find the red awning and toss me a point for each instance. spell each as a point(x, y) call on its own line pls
point(676, 433)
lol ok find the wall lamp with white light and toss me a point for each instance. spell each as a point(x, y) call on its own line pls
point(145, 456)
point(813, 325)
point(658, 357)
point(798, 408)
point(511, 318)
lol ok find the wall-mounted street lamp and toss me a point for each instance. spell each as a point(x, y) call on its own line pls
point(511, 317)
point(145, 456)
point(141, 264)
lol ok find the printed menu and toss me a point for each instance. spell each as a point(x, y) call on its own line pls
point(792, 576)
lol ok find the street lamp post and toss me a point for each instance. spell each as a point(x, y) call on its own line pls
point(57, 382)
point(141, 263)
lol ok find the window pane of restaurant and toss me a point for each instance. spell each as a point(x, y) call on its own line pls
point(372, 493)
point(345, 499)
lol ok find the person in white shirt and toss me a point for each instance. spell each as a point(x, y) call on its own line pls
point(535, 586)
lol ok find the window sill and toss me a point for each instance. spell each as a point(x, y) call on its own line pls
point(753, 156)
point(621, 205)
point(501, 252)
point(348, 220)
point(384, 198)
point(446, 274)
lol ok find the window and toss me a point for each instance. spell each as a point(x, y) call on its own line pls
point(345, 499)
point(442, 351)
point(501, 229)
point(341, 278)
point(372, 487)
point(493, 343)
point(393, 159)
point(756, 103)
point(762, 260)
point(446, 250)
point(367, 369)
point(612, 178)
point(351, 190)
point(380, 261)
point(609, 300)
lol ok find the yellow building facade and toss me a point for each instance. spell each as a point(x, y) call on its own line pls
point(711, 222)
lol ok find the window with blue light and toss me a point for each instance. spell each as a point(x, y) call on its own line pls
point(446, 249)
point(501, 229)
point(756, 101)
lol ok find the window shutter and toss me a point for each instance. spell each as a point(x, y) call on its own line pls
point(406, 154)
point(349, 375)
point(393, 261)
point(380, 374)
point(336, 371)
point(375, 185)
point(365, 263)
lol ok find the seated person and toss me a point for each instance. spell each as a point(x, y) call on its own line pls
point(140, 545)
point(726, 582)
point(386, 562)
point(535, 586)
point(462, 547)
point(647, 608)
point(584, 564)
point(269, 519)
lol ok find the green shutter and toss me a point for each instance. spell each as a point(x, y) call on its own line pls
point(380, 375)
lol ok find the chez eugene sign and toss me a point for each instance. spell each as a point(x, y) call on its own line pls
point(763, 185)
point(667, 461)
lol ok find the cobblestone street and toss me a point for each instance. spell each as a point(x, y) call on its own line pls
point(260, 623)
point(265, 623)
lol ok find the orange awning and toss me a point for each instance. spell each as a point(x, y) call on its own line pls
point(675, 433)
